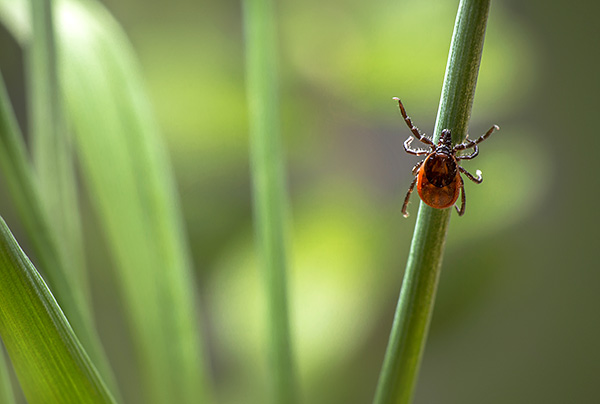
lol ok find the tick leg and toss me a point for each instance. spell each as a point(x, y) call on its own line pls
point(410, 189)
point(472, 143)
point(412, 127)
point(469, 156)
point(416, 152)
point(487, 134)
point(463, 199)
point(417, 166)
point(477, 180)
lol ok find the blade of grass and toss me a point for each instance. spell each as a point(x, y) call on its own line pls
point(127, 173)
point(270, 199)
point(126, 170)
point(50, 363)
point(415, 305)
point(17, 171)
point(51, 146)
point(6, 391)
point(129, 178)
point(54, 169)
point(15, 17)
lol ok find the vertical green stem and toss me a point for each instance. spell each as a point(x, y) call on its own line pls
point(415, 305)
point(270, 199)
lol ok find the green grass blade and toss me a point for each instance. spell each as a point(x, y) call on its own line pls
point(270, 199)
point(18, 173)
point(52, 154)
point(128, 175)
point(50, 363)
point(6, 390)
point(54, 170)
point(415, 305)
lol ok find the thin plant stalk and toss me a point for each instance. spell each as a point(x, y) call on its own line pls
point(270, 199)
point(415, 305)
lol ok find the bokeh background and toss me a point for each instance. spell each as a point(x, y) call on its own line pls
point(516, 319)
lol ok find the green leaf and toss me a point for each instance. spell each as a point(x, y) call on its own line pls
point(51, 145)
point(127, 173)
point(54, 206)
point(6, 390)
point(18, 173)
point(50, 363)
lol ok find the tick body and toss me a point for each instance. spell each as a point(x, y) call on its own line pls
point(438, 181)
point(438, 177)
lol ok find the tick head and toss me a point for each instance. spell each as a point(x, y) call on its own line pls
point(445, 143)
point(446, 138)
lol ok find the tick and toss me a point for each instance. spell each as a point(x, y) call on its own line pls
point(437, 176)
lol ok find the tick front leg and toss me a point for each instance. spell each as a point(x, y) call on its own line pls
point(463, 199)
point(410, 189)
point(487, 134)
point(412, 127)
point(416, 152)
point(468, 143)
point(471, 143)
point(469, 156)
point(477, 180)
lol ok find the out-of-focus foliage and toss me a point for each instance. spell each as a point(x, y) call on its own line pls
point(339, 76)
point(514, 321)
point(125, 170)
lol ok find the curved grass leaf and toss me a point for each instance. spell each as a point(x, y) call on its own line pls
point(126, 171)
point(6, 390)
point(128, 175)
point(50, 363)
point(17, 171)
point(51, 147)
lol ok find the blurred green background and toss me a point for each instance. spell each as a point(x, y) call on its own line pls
point(516, 318)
